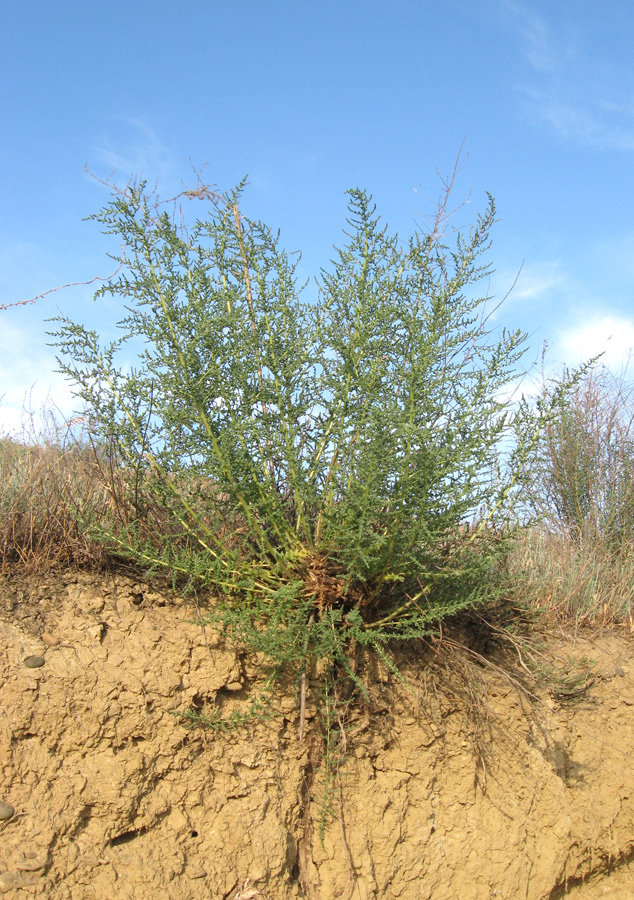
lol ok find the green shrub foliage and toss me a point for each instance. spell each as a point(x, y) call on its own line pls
point(314, 461)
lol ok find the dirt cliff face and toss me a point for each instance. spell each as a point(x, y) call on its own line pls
point(106, 794)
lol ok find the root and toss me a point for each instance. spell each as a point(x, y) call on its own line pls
point(308, 877)
point(352, 871)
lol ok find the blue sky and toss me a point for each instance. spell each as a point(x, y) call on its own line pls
point(309, 99)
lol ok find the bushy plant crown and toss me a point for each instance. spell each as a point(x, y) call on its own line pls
point(314, 462)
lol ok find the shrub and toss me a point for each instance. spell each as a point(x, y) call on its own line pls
point(315, 461)
point(581, 473)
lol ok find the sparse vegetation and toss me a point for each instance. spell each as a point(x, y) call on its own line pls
point(581, 477)
point(577, 562)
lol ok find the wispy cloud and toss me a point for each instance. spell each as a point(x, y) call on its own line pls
point(536, 280)
point(579, 311)
point(537, 40)
point(594, 125)
point(528, 289)
point(132, 148)
point(584, 97)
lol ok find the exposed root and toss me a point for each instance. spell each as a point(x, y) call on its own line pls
point(308, 877)
point(352, 871)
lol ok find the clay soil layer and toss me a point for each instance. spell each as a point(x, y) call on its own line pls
point(107, 794)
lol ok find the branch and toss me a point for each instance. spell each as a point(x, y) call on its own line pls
point(63, 287)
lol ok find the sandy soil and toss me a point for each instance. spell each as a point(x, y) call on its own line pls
point(108, 795)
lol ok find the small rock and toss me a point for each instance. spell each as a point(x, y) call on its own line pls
point(6, 811)
point(234, 686)
point(34, 662)
point(30, 863)
point(10, 881)
point(177, 820)
point(95, 604)
point(50, 640)
point(96, 631)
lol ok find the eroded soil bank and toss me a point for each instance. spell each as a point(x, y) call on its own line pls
point(112, 797)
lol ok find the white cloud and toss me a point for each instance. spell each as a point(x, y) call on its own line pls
point(28, 380)
point(611, 335)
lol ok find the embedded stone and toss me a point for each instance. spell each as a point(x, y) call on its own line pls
point(10, 881)
point(6, 811)
point(50, 640)
point(30, 863)
point(34, 662)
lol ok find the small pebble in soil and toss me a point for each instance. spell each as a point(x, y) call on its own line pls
point(6, 811)
point(34, 662)
point(49, 639)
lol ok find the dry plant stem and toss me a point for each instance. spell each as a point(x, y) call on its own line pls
point(62, 287)
point(359, 729)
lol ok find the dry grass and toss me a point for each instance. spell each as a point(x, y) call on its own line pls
point(578, 564)
point(47, 476)
point(59, 490)
point(582, 582)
